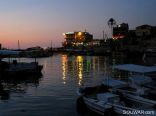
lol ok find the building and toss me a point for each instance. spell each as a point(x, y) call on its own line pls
point(143, 30)
point(76, 38)
point(154, 31)
point(36, 48)
point(120, 31)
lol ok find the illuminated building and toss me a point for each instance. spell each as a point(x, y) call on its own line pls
point(120, 31)
point(76, 38)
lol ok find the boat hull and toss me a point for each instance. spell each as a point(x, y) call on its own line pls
point(140, 101)
point(99, 109)
point(22, 70)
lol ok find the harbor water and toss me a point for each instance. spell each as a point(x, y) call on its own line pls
point(54, 93)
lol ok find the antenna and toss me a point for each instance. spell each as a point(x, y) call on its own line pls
point(18, 49)
point(103, 34)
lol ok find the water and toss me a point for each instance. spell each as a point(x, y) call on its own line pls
point(54, 94)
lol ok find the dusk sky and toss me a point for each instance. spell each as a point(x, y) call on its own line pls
point(38, 22)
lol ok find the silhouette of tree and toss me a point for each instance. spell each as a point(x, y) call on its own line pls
point(111, 24)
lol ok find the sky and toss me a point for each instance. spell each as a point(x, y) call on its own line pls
point(40, 22)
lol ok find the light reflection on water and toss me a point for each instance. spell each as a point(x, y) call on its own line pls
point(83, 67)
point(54, 94)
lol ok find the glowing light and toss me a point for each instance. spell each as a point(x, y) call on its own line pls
point(79, 33)
point(64, 68)
point(118, 36)
point(79, 60)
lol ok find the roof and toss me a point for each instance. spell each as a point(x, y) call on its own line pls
point(140, 79)
point(144, 26)
point(105, 96)
point(114, 83)
point(135, 68)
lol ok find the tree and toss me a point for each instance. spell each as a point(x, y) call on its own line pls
point(111, 24)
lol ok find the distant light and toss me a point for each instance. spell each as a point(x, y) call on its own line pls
point(79, 59)
point(79, 33)
point(118, 36)
point(45, 48)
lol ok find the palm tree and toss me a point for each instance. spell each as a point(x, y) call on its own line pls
point(111, 24)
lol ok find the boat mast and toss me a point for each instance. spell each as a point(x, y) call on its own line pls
point(18, 50)
point(18, 45)
point(51, 44)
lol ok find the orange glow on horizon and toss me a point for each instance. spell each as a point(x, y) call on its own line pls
point(9, 39)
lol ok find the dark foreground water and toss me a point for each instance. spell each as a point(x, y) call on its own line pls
point(54, 94)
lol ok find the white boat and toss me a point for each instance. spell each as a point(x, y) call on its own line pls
point(105, 86)
point(107, 102)
point(131, 91)
point(141, 96)
point(139, 79)
point(93, 100)
point(150, 52)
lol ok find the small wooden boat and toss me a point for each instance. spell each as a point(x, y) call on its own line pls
point(142, 94)
point(21, 68)
point(132, 91)
point(106, 102)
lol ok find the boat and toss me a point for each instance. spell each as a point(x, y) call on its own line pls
point(142, 80)
point(9, 53)
point(96, 98)
point(19, 69)
point(4, 94)
point(142, 94)
point(23, 68)
point(104, 103)
point(150, 52)
point(102, 100)
point(139, 78)
point(9, 69)
point(131, 91)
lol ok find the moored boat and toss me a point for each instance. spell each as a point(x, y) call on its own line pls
point(21, 69)
point(17, 69)
point(106, 103)
point(150, 52)
point(142, 94)
point(133, 91)
point(24, 68)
